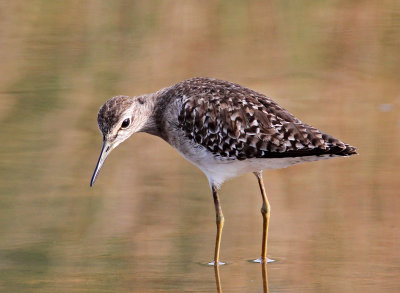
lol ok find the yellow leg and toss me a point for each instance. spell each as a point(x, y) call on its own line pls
point(220, 224)
point(265, 211)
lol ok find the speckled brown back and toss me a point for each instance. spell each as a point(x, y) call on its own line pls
point(239, 123)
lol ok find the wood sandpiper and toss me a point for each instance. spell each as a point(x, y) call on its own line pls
point(224, 129)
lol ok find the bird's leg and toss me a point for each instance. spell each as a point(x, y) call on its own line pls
point(265, 211)
point(220, 223)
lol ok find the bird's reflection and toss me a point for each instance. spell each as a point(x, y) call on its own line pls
point(264, 276)
point(264, 273)
point(217, 279)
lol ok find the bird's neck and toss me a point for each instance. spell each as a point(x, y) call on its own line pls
point(145, 105)
point(155, 106)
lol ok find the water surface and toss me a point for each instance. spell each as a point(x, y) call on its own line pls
point(148, 225)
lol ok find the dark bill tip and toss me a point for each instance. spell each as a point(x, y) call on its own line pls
point(105, 150)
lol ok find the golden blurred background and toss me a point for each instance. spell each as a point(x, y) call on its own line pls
point(148, 224)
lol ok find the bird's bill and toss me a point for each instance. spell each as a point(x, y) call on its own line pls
point(105, 151)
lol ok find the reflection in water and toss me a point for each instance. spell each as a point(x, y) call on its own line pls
point(217, 279)
point(264, 273)
point(264, 276)
point(149, 222)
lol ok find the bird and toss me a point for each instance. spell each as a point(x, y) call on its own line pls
point(223, 128)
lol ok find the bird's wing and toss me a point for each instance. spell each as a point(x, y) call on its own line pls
point(236, 122)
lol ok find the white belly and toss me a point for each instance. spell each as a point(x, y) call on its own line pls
point(219, 169)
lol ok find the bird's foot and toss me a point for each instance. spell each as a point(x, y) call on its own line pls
point(260, 260)
point(219, 263)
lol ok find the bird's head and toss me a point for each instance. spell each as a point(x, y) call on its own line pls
point(118, 119)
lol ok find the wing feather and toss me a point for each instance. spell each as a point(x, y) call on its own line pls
point(236, 122)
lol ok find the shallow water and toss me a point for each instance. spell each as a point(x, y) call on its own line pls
point(148, 223)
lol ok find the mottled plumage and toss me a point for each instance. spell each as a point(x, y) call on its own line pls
point(223, 128)
point(238, 123)
point(215, 123)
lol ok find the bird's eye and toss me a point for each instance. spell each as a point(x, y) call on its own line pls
point(125, 123)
